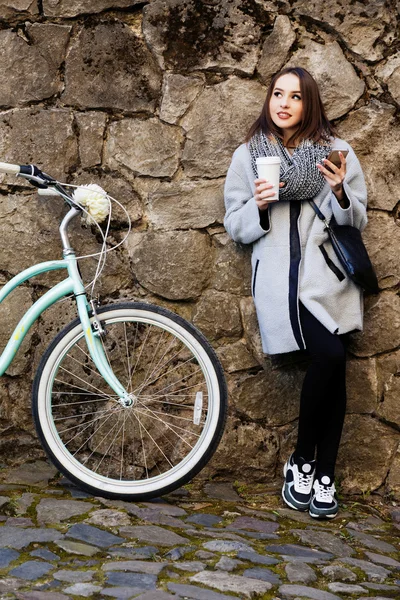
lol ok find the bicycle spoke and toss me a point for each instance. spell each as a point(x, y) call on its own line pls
point(166, 414)
point(76, 387)
point(120, 353)
point(162, 366)
point(80, 379)
point(84, 429)
point(85, 366)
point(98, 445)
point(169, 426)
point(87, 423)
point(160, 392)
point(180, 365)
point(154, 442)
point(80, 402)
point(109, 447)
point(122, 448)
point(128, 356)
point(163, 434)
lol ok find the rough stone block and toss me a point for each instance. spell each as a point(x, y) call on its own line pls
point(174, 265)
point(381, 325)
point(365, 441)
point(93, 535)
point(232, 267)
point(186, 204)
point(212, 132)
point(11, 8)
point(73, 8)
point(17, 538)
point(91, 126)
point(361, 26)
point(109, 66)
point(382, 239)
point(31, 570)
point(52, 145)
point(271, 395)
point(362, 386)
point(178, 93)
point(153, 534)
point(148, 147)
point(373, 133)
point(217, 315)
point(256, 450)
point(276, 48)
point(43, 54)
point(236, 357)
point(338, 82)
point(300, 572)
point(204, 36)
point(324, 540)
point(393, 480)
point(295, 590)
point(50, 510)
point(389, 72)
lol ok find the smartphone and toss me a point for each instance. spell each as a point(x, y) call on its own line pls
point(335, 158)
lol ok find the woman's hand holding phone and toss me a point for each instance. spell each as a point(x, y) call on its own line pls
point(335, 174)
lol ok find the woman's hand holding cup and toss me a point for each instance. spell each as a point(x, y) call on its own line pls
point(265, 193)
point(267, 184)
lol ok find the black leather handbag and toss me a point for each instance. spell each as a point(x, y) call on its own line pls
point(351, 252)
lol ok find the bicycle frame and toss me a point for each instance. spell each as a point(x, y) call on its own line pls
point(71, 285)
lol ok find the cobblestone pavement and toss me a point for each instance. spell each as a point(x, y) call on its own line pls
point(207, 541)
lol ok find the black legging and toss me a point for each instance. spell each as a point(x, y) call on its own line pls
point(323, 396)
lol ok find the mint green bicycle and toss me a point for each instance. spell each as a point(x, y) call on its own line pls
point(129, 400)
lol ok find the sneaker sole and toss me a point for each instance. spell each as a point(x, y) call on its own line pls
point(322, 516)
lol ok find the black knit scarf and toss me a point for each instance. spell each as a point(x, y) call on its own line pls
point(299, 172)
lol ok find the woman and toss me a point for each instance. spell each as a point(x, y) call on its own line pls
point(302, 298)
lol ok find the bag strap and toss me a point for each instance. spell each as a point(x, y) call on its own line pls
point(319, 214)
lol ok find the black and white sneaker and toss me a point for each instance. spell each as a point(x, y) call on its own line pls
point(297, 488)
point(324, 504)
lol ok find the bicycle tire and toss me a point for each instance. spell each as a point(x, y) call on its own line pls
point(74, 409)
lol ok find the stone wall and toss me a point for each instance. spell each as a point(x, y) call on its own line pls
point(150, 99)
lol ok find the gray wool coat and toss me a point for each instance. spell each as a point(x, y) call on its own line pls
point(293, 259)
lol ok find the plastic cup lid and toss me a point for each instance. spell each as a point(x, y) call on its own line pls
point(267, 160)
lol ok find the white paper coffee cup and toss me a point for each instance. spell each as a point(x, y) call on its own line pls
point(269, 167)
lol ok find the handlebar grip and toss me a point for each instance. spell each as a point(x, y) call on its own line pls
point(9, 168)
point(47, 192)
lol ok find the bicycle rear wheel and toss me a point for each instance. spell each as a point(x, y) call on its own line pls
point(167, 435)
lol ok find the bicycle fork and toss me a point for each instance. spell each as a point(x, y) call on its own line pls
point(93, 332)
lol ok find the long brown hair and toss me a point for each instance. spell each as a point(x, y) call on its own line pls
point(314, 124)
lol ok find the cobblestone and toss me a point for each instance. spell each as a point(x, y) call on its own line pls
point(300, 573)
point(7, 556)
point(31, 570)
point(205, 543)
point(346, 588)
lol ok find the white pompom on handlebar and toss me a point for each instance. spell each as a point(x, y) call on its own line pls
point(94, 199)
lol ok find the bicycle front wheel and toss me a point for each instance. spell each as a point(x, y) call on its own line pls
point(169, 432)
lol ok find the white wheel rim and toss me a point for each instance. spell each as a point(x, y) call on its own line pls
point(179, 471)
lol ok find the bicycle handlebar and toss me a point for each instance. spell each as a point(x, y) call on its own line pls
point(9, 168)
point(30, 172)
point(40, 180)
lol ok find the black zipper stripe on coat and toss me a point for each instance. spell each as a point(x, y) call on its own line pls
point(254, 278)
point(331, 264)
point(295, 258)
